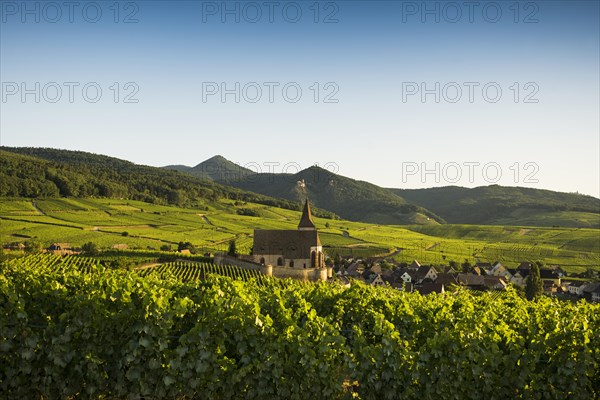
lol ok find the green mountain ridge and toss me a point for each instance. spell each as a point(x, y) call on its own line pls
point(45, 173)
point(363, 201)
point(349, 198)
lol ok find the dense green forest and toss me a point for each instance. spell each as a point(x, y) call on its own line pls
point(41, 172)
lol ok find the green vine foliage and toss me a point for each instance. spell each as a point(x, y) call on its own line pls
point(95, 333)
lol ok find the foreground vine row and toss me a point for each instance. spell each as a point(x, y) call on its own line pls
point(187, 271)
point(97, 333)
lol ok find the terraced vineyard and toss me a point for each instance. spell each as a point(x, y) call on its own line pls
point(188, 271)
point(212, 224)
point(52, 262)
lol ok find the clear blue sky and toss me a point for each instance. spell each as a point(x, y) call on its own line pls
point(374, 58)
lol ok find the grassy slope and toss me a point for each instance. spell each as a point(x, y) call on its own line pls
point(103, 221)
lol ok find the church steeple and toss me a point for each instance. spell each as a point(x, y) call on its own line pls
point(306, 222)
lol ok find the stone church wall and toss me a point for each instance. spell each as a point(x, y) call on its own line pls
point(305, 274)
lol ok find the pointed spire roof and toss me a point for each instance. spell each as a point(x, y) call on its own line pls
point(306, 221)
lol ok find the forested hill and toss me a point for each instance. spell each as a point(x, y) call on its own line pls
point(506, 205)
point(44, 172)
point(349, 198)
point(363, 201)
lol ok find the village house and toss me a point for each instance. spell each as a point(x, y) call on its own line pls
point(447, 279)
point(596, 295)
point(519, 277)
point(549, 287)
point(484, 267)
point(550, 275)
point(494, 282)
point(367, 275)
point(355, 270)
point(387, 274)
point(431, 287)
point(376, 268)
point(576, 288)
point(405, 276)
point(377, 281)
point(449, 270)
point(471, 281)
point(591, 291)
point(496, 267)
point(500, 270)
point(423, 273)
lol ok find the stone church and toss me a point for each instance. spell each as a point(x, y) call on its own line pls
point(299, 248)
